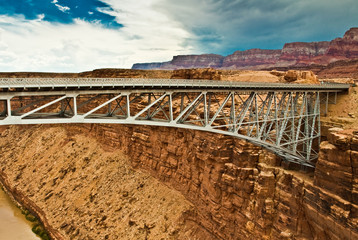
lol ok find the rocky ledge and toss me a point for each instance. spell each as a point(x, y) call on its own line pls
point(229, 189)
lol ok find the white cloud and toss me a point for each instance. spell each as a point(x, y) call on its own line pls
point(241, 24)
point(37, 45)
point(62, 8)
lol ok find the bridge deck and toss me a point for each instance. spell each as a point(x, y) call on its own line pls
point(53, 84)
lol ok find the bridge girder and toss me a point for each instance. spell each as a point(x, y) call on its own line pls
point(284, 122)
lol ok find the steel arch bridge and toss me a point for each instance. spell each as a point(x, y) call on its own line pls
point(283, 118)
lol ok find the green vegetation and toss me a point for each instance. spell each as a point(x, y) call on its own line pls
point(37, 227)
point(39, 230)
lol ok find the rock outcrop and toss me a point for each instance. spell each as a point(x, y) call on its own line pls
point(345, 48)
point(185, 61)
point(148, 66)
point(235, 187)
point(299, 55)
point(202, 73)
point(300, 76)
point(254, 58)
point(302, 53)
point(339, 69)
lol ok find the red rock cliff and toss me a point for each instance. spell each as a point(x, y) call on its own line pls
point(302, 52)
point(238, 195)
point(185, 61)
point(293, 55)
point(252, 57)
point(346, 47)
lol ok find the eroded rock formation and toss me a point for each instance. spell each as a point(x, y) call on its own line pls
point(81, 190)
point(302, 55)
point(254, 58)
point(235, 189)
point(185, 61)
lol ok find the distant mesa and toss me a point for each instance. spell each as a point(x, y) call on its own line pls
point(292, 55)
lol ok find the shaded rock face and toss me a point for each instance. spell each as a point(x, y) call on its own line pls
point(312, 55)
point(337, 167)
point(148, 66)
point(302, 53)
point(233, 186)
point(346, 47)
point(339, 69)
point(196, 61)
point(252, 57)
point(185, 61)
point(203, 73)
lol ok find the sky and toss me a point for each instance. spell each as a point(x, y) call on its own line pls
point(82, 35)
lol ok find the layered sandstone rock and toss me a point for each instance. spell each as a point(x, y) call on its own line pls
point(197, 61)
point(235, 188)
point(237, 194)
point(203, 73)
point(337, 167)
point(82, 190)
point(300, 77)
point(302, 53)
point(299, 55)
point(339, 69)
point(346, 47)
point(257, 58)
point(185, 61)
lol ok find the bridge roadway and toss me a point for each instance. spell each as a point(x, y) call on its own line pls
point(22, 84)
point(283, 118)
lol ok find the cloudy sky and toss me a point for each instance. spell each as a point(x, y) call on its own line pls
point(80, 35)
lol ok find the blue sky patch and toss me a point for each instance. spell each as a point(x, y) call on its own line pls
point(61, 11)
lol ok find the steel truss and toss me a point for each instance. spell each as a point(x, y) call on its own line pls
point(287, 123)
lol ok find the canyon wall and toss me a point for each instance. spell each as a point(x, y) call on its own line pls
point(236, 188)
point(308, 55)
point(254, 58)
point(185, 61)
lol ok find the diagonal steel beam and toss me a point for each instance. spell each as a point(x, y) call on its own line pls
point(220, 109)
point(43, 106)
point(243, 112)
point(188, 107)
point(150, 105)
point(101, 106)
point(316, 111)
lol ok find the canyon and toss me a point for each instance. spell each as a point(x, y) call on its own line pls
point(100, 181)
point(315, 56)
